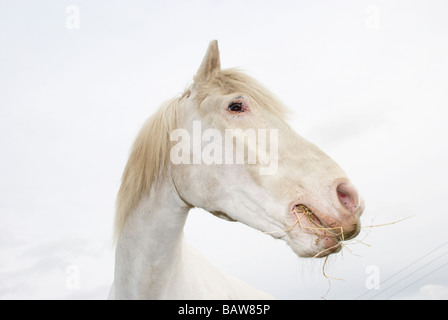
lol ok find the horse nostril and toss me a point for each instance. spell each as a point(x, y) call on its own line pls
point(348, 196)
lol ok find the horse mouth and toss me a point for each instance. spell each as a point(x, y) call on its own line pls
point(301, 210)
point(309, 220)
point(329, 236)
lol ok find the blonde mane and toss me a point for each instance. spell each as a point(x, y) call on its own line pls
point(148, 159)
point(150, 153)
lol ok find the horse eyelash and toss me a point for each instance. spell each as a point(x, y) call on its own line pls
point(243, 107)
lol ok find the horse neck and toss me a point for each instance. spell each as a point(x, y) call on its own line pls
point(149, 249)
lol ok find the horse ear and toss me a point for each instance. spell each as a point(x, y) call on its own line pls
point(211, 64)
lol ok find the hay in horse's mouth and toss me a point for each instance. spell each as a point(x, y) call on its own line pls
point(316, 224)
point(319, 228)
point(313, 223)
point(302, 210)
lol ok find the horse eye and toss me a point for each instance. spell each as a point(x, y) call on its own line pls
point(236, 107)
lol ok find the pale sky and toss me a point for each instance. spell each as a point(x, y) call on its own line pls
point(367, 82)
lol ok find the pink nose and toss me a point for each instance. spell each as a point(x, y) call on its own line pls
point(348, 196)
point(351, 209)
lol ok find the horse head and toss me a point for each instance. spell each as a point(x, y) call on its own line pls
point(234, 154)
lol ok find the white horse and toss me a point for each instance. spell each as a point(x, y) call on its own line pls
point(303, 197)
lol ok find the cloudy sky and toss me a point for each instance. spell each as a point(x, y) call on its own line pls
point(367, 81)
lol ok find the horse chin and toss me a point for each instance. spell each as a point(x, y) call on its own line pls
point(315, 247)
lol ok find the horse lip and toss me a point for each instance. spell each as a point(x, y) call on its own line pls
point(306, 210)
point(319, 225)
